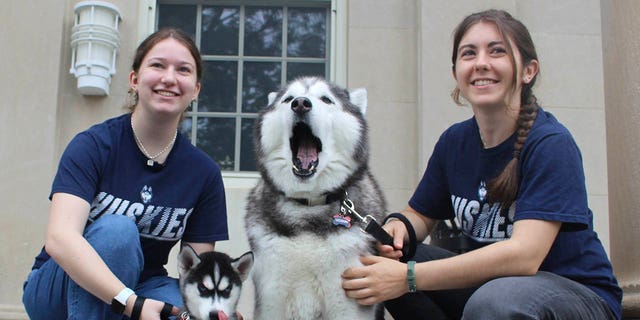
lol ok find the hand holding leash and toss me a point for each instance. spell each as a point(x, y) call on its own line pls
point(347, 209)
point(408, 249)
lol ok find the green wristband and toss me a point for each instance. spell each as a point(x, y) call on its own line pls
point(411, 276)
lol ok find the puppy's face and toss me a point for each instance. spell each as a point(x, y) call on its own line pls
point(210, 283)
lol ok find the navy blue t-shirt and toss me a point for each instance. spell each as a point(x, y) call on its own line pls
point(184, 199)
point(552, 187)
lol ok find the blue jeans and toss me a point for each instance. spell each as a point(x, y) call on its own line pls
point(542, 296)
point(49, 293)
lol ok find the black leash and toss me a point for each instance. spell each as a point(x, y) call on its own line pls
point(348, 210)
point(137, 309)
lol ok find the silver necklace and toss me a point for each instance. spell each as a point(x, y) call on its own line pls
point(150, 158)
point(484, 144)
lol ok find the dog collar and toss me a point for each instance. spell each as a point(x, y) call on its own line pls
point(322, 200)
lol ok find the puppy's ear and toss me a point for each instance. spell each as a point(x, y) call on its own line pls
point(243, 265)
point(187, 259)
point(358, 97)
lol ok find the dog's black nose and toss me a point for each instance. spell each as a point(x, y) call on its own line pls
point(301, 105)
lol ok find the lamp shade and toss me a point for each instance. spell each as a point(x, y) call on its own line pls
point(94, 42)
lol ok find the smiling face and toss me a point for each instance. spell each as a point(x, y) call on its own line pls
point(166, 80)
point(484, 68)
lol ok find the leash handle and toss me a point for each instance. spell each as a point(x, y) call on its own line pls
point(409, 249)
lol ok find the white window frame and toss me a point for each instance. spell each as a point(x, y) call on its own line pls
point(337, 62)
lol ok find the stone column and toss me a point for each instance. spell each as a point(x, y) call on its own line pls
point(621, 56)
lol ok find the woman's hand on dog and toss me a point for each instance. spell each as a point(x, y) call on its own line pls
point(380, 279)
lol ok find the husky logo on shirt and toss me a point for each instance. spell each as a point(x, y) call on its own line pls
point(483, 222)
point(164, 223)
point(146, 194)
point(482, 191)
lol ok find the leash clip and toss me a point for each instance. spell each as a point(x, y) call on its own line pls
point(347, 208)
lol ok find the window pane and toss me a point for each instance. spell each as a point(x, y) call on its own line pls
point(220, 30)
point(263, 31)
point(216, 136)
point(246, 47)
point(298, 69)
point(178, 16)
point(185, 127)
point(307, 32)
point(248, 158)
point(260, 78)
point(218, 90)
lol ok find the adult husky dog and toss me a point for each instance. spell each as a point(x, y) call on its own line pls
point(312, 150)
point(210, 283)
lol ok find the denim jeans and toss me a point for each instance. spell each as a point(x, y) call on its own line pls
point(542, 296)
point(49, 293)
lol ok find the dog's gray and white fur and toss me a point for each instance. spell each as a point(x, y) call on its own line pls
point(311, 147)
point(211, 282)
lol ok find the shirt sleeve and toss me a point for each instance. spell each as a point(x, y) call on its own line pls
point(79, 168)
point(208, 222)
point(552, 185)
point(432, 197)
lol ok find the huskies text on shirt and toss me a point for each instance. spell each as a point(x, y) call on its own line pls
point(183, 199)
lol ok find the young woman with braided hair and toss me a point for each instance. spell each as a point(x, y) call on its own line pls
point(512, 178)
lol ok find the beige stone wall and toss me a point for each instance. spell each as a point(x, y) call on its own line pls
point(398, 49)
point(31, 42)
point(620, 30)
point(41, 112)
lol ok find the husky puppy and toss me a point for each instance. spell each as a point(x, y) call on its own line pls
point(312, 153)
point(210, 283)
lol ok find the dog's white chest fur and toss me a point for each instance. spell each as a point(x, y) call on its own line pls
point(304, 275)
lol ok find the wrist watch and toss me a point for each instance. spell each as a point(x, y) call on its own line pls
point(120, 300)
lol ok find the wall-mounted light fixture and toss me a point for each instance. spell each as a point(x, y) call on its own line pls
point(94, 42)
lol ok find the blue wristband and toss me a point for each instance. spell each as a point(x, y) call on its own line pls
point(411, 276)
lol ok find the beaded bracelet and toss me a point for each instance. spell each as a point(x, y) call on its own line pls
point(411, 276)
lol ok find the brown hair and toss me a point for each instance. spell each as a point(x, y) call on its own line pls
point(504, 187)
point(147, 44)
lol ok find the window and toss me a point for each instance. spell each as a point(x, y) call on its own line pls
point(249, 49)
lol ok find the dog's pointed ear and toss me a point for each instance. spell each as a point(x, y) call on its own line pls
point(358, 97)
point(272, 97)
point(243, 265)
point(187, 259)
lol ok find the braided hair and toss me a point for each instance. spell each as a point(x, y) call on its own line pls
point(504, 187)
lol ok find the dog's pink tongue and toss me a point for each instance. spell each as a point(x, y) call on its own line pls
point(307, 153)
point(222, 316)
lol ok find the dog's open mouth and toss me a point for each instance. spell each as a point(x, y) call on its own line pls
point(305, 148)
